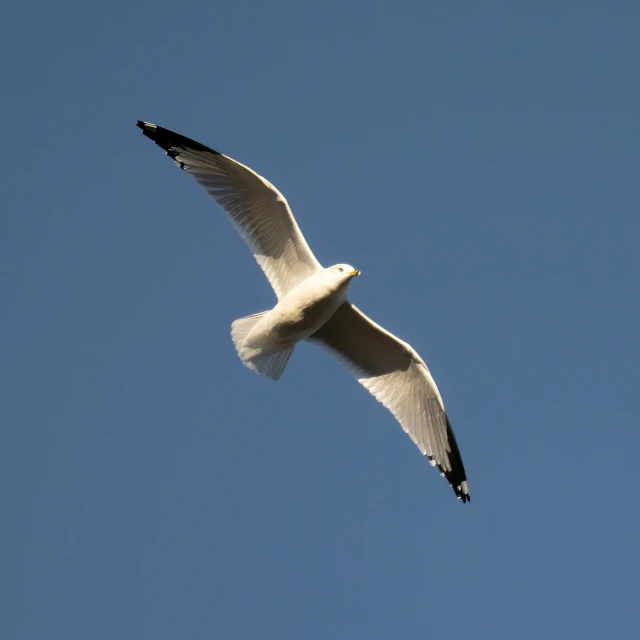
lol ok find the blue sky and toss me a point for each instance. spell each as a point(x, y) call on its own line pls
point(478, 162)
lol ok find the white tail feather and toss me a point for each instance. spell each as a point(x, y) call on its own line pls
point(241, 327)
point(269, 364)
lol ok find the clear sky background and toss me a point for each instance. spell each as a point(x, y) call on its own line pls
point(478, 161)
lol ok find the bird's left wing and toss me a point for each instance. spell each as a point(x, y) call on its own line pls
point(258, 211)
point(397, 377)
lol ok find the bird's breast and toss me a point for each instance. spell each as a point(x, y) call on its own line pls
point(303, 311)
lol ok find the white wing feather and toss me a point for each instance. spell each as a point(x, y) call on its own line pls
point(398, 378)
point(258, 211)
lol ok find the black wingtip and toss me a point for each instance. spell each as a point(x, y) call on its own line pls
point(457, 477)
point(147, 128)
point(173, 143)
point(162, 137)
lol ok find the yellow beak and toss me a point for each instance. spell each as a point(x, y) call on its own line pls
point(355, 272)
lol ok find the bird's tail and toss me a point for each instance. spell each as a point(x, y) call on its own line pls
point(264, 362)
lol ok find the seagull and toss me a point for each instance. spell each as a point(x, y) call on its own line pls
point(312, 305)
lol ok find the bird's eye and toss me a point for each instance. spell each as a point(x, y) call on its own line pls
point(340, 269)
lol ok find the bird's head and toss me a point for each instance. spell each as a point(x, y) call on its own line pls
point(343, 272)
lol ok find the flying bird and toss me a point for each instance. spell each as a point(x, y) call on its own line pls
point(312, 305)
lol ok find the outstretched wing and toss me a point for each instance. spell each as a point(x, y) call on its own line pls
point(257, 209)
point(398, 378)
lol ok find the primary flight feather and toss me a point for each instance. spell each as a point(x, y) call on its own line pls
point(312, 305)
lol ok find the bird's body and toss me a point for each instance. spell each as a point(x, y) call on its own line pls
point(304, 310)
point(312, 305)
point(297, 316)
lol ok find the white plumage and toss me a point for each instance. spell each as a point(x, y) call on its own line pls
point(312, 305)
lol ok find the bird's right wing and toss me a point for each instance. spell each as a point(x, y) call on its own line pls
point(398, 378)
point(256, 208)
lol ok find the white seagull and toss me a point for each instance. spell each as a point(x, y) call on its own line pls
point(312, 305)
